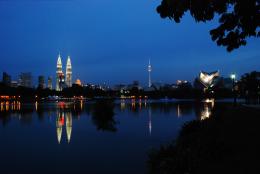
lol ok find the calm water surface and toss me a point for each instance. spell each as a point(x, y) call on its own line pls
point(81, 138)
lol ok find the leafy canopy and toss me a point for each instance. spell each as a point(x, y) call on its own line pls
point(238, 19)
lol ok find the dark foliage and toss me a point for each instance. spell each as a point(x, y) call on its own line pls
point(238, 19)
point(225, 143)
point(249, 85)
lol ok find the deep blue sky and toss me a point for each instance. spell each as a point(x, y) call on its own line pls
point(111, 41)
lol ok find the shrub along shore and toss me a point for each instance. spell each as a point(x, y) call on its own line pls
point(227, 142)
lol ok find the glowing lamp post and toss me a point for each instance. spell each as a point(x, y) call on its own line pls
point(233, 78)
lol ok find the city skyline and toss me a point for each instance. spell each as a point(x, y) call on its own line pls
point(124, 42)
point(129, 87)
point(112, 49)
point(65, 80)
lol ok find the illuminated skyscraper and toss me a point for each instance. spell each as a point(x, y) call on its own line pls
point(50, 82)
point(6, 79)
point(41, 83)
point(59, 75)
point(149, 71)
point(68, 73)
point(25, 80)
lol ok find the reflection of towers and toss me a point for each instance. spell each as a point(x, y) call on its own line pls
point(150, 120)
point(60, 121)
point(69, 72)
point(207, 109)
point(60, 75)
point(68, 125)
point(149, 71)
point(59, 124)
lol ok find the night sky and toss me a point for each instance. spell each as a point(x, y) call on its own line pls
point(111, 41)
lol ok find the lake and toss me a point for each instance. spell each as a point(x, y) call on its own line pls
point(89, 137)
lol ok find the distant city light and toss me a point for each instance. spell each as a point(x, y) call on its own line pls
point(233, 76)
point(207, 78)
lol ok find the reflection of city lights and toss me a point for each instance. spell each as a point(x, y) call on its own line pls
point(36, 105)
point(210, 101)
point(2, 106)
point(19, 105)
point(133, 103)
point(68, 126)
point(81, 104)
point(13, 106)
point(122, 104)
point(205, 113)
point(7, 106)
point(59, 124)
point(178, 110)
point(150, 121)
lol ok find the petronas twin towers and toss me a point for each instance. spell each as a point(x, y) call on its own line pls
point(61, 80)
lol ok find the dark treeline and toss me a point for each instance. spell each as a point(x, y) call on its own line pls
point(247, 87)
point(227, 142)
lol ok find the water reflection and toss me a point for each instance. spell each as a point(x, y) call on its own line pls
point(12, 106)
point(62, 120)
point(150, 121)
point(105, 115)
point(204, 110)
point(68, 125)
point(59, 125)
point(93, 132)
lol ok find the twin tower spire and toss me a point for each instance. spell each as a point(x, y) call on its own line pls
point(61, 80)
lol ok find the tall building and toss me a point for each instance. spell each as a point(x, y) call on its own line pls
point(25, 80)
point(41, 83)
point(68, 73)
point(50, 82)
point(14, 84)
point(6, 79)
point(149, 72)
point(59, 75)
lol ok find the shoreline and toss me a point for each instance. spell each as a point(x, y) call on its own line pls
point(227, 142)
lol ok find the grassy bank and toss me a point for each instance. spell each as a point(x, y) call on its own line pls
point(228, 142)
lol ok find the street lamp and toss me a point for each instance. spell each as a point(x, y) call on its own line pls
point(233, 77)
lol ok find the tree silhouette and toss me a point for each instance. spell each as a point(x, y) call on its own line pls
point(250, 83)
point(238, 19)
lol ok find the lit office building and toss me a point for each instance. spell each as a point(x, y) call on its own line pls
point(68, 73)
point(6, 79)
point(25, 80)
point(41, 83)
point(50, 82)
